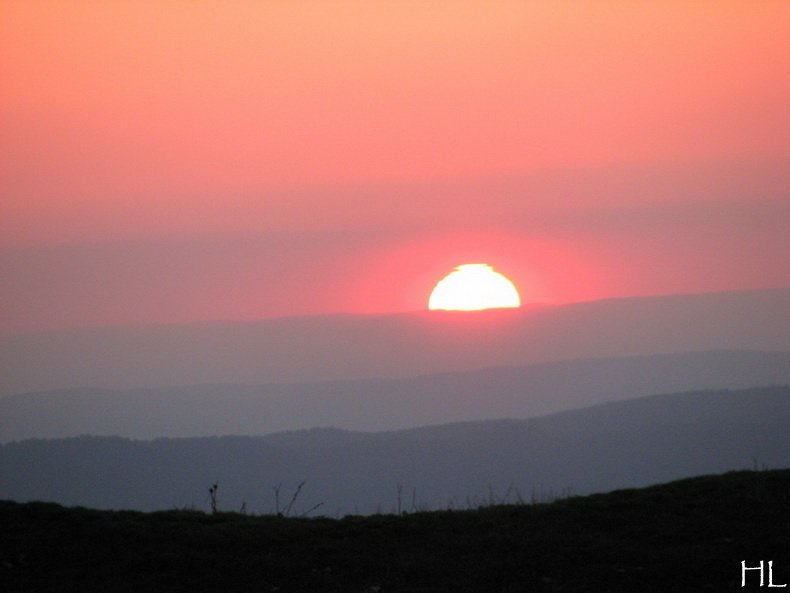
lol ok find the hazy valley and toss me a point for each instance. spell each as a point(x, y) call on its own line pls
point(393, 412)
point(384, 404)
point(615, 445)
point(348, 347)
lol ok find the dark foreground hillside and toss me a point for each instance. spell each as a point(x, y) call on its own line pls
point(689, 535)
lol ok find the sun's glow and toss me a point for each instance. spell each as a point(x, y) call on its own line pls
point(472, 287)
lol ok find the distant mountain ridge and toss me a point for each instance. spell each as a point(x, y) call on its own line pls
point(385, 404)
point(349, 347)
point(621, 444)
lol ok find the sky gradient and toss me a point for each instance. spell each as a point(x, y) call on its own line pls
point(185, 161)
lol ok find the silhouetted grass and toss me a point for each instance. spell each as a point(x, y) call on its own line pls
point(689, 535)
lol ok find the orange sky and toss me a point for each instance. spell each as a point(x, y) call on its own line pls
point(286, 144)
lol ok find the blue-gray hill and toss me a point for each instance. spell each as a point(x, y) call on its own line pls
point(382, 404)
point(615, 445)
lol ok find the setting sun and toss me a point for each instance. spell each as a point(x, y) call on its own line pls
point(472, 287)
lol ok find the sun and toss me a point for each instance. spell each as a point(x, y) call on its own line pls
point(473, 287)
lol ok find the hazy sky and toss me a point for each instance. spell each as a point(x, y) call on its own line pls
point(190, 160)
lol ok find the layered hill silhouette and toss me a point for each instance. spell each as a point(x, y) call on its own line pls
point(383, 404)
point(348, 347)
point(621, 444)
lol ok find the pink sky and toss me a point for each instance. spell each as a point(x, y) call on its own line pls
point(181, 161)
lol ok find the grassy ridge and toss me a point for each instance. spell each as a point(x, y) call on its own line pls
point(689, 535)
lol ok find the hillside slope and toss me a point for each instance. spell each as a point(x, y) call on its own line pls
point(681, 537)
